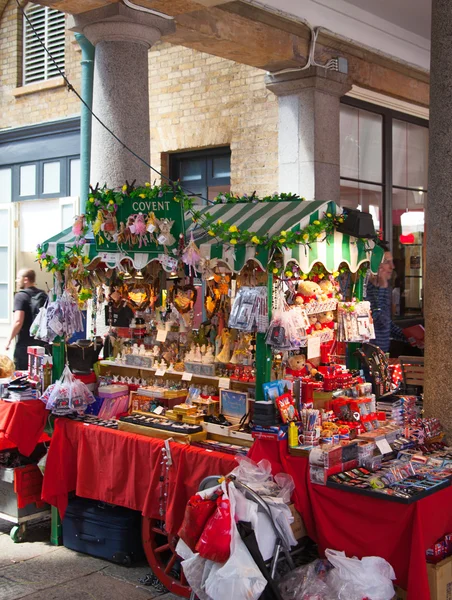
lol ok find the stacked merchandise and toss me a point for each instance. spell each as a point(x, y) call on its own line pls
point(21, 389)
point(399, 409)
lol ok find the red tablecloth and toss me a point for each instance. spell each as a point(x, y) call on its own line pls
point(22, 425)
point(364, 526)
point(123, 468)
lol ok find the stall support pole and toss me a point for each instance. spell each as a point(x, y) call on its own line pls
point(57, 370)
point(263, 351)
point(87, 64)
point(353, 361)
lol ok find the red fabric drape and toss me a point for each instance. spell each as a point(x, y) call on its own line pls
point(363, 526)
point(22, 425)
point(123, 468)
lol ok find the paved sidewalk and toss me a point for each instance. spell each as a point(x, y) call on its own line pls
point(35, 570)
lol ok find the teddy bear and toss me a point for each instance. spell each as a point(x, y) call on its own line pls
point(297, 366)
point(307, 291)
point(327, 289)
point(326, 320)
point(314, 325)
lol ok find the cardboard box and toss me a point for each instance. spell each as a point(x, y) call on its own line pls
point(399, 593)
point(439, 581)
point(298, 528)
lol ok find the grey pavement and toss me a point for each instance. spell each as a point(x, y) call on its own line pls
point(35, 570)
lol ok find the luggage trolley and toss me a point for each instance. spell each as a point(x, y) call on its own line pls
point(20, 498)
point(280, 545)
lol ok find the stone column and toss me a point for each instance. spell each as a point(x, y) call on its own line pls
point(438, 268)
point(122, 37)
point(309, 149)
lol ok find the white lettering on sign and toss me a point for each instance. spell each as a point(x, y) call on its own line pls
point(148, 206)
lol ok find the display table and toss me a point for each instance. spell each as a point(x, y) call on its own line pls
point(124, 468)
point(363, 526)
point(22, 425)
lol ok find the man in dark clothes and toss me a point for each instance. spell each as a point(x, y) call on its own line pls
point(26, 305)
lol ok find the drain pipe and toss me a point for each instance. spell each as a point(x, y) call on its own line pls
point(87, 63)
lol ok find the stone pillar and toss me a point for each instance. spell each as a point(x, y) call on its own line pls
point(122, 37)
point(309, 149)
point(438, 268)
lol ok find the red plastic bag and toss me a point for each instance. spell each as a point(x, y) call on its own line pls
point(197, 513)
point(215, 541)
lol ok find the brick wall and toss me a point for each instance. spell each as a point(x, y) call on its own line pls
point(40, 106)
point(196, 101)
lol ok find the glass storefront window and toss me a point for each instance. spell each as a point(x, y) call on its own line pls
point(389, 178)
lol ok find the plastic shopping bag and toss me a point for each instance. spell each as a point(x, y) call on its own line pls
point(215, 541)
point(67, 395)
point(307, 582)
point(197, 512)
point(369, 577)
point(239, 578)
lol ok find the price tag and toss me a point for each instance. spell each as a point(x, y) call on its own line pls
point(187, 376)
point(109, 257)
point(160, 372)
point(224, 383)
point(158, 410)
point(313, 347)
point(383, 446)
point(161, 335)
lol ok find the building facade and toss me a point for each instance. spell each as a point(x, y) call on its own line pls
point(215, 123)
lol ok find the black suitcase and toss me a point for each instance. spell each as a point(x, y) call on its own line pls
point(103, 530)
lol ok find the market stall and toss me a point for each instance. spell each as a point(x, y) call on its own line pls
point(222, 325)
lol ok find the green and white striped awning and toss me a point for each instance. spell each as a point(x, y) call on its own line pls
point(64, 240)
point(264, 218)
point(271, 218)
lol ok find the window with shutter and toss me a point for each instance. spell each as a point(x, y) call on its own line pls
point(49, 24)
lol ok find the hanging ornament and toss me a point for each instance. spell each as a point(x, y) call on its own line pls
point(191, 256)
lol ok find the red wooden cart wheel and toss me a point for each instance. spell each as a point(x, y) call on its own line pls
point(160, 550)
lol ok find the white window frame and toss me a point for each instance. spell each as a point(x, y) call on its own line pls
point(50, 44)
point(69, 201)
point(9, 207)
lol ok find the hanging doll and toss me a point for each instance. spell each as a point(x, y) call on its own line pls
point(152, 226)
point(138, 229)
point(97, 225)
point(191, 255)
point(166, 238)
point(225, 355)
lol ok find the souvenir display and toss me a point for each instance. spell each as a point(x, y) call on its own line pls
point(221, 337)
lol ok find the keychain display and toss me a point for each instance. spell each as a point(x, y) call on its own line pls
point(249, 311)
point(355, 322)
point(288, 327)
point(62, 317)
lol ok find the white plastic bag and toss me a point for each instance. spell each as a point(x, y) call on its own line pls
point(239, 577)
point(369, 577)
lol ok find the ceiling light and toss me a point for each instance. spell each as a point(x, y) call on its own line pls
point(139, 275)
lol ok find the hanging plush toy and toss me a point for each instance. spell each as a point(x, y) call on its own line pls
point(166, 238)
point(191, 256)
point(110, 225)
point(79, 226)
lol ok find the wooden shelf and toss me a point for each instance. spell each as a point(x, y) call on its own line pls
point(111, 363)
